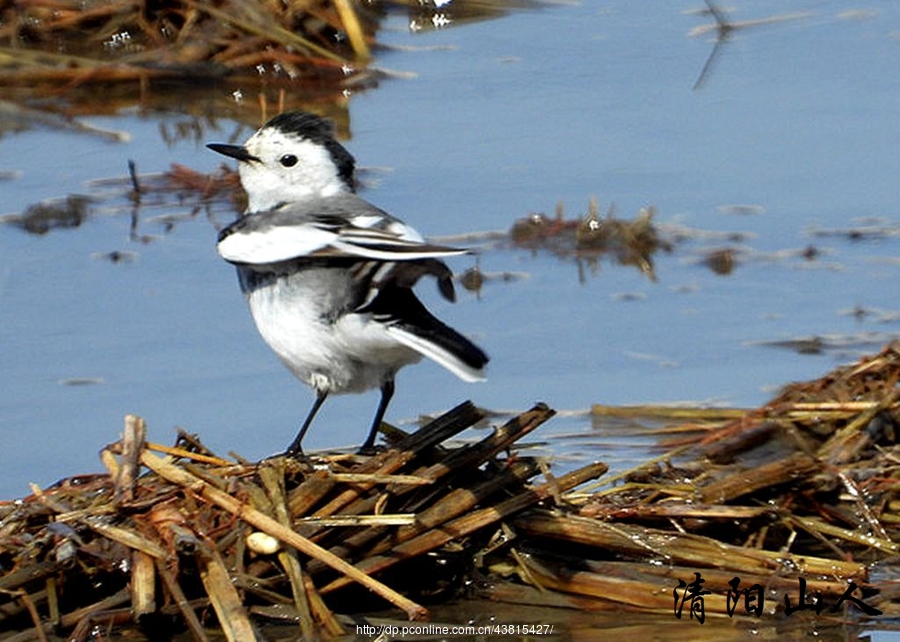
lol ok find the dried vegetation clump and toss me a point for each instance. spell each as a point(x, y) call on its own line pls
point(804, 487)
point(199, 542)
point(83, 42)
point(590, 237)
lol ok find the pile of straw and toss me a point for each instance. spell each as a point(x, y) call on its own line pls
point(198, 541)
point(798, 498)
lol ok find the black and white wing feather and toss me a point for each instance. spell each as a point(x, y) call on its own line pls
point(339, 226)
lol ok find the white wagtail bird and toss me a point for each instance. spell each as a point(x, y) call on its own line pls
point(329, 276)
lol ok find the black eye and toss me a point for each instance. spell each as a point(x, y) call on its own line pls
point(288, 160)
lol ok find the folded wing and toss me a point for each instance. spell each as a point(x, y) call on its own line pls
point(344, 226)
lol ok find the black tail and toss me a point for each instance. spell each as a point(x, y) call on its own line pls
point(411, 323)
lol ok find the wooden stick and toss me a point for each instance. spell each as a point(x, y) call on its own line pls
point(187, 454)
point(296, 576)
point(132, 443)
point(677, 548)
point(636, 511)
point(35, 616)
point(29, 573)
point(181, 601)
point(323, 614)
point(746, 481)
point(360, 478)
point(846, 444)
point(815, 525)
point(113, 601)
point(668, 412)
point(499, 440)
point(233, 618)
point(462, 500)
point(310, 491)
point(352, 28)
point(472, 456)
point(273, 481)
point(53, 614)
point(465, 458)
point(143, 584)
point(269, 525)
point(130, 538)
point(388, 519)
point(641, 585)
point(442, 428)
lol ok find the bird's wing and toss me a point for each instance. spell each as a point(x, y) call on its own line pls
point(339, 226)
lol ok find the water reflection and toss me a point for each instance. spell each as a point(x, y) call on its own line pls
point(724, 28)
point(440, 14)
point(182, 192)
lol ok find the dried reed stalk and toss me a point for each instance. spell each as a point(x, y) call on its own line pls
point(678, 548)
point(467, 524)
point(229, 606)
point(668, 412)
point(173, 588)
point(392, 460)
point(143, 584)
point(273, 481)
point(270, 526)
point(132, 443)
point(748, 480)
point(453, 504)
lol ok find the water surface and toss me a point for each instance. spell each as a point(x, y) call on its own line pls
point(490, 121)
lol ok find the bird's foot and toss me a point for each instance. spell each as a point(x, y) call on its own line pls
point(296, 454)
point(367, 450)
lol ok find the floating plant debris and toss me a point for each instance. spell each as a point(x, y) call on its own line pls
point(42, 217)
point(629, 242)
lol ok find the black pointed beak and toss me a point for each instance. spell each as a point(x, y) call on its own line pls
point(233, 151)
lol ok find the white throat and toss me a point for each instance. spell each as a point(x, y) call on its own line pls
point(264, 194)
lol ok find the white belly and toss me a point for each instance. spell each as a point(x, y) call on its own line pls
point(334, 353)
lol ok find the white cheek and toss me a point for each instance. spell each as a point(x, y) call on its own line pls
point(265, 189)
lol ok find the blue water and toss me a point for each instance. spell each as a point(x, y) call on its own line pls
point(502, 118)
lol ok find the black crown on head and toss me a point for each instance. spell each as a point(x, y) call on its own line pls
point(320, 131)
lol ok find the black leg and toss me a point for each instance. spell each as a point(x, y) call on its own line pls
point(387, 391)
point(295, 448)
